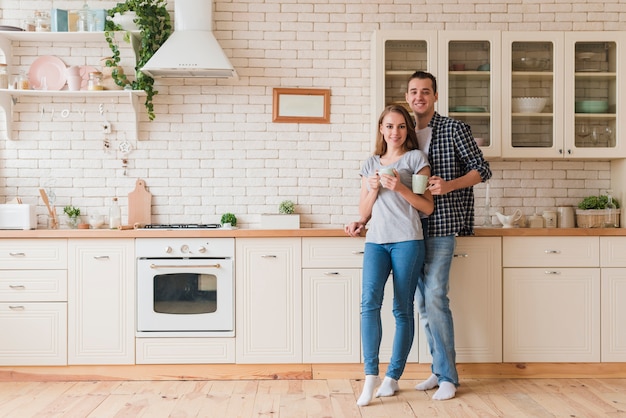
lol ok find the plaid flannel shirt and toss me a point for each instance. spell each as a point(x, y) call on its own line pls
point(452, 154)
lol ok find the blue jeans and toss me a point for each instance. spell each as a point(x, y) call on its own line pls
point(406, 260)
point(434, 307)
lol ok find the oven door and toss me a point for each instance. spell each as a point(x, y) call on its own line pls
point(181, 295)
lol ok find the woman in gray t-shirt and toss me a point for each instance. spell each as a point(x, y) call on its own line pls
point(394, 242)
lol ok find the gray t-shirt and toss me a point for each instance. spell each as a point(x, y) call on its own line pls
point(393, 218)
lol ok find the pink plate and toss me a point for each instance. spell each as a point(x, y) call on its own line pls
point(84, 73)
point(50, 67)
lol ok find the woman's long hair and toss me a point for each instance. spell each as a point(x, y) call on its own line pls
point(411, 137)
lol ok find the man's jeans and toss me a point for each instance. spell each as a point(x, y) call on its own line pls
point(406, 260)
point(433, 307)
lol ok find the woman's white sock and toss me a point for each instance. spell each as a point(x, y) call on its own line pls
point(428, 384)
point(388, 387)
point(446, 390)
point(371, 381)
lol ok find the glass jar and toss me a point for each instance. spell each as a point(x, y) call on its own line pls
point(4, 77)
point(95, 81)
point(42, 21)
point(21, 82)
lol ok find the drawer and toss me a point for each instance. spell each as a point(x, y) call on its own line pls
point(613, 251)
point(332, 252)
point(33, 286)
point(551, 252)
point(33, 254)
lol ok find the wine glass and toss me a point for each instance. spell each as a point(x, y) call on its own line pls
point(583, 131)
point(595, 135)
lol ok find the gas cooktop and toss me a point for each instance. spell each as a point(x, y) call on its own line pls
point(182, 226)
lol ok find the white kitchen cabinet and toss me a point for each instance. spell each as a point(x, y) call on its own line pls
point(613, 295)
point(9, 97)
point(101, 301)
point(551, 299)
point(33, 302)
point(475, 300)
point(331, 290)
point(268, 298)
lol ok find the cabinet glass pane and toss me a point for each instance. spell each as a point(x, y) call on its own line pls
point(532, 90)
point(402, 58)
point(469, 85)
point(595, 94)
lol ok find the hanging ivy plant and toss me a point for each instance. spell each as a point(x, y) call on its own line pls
point(155, 27)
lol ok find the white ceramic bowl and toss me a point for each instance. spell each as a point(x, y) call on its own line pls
point(528, 104)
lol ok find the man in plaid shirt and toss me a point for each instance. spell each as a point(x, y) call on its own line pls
point(457, 164)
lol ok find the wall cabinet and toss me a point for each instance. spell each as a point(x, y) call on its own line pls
point(101, 301)
point(331, 297)
point(475, 300)
point(268, 300)
point(33, 302)
point(481, 73)
point(613, 295)
point(551, 299)
point(9, 98)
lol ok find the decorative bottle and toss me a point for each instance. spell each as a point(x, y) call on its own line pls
point(610, 216)
point(115, 215)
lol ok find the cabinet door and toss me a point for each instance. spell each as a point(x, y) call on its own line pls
point(475, 300)
point(33, 334)
point(551, 252)
point(101, 301)
point(331, 315)
point(33, 254)
point(532, 67)
point(551, 315)
point(268, 300)
point(332, 252)
point(613, 314)
point(395, 56)
point(470, 73)
point(594, 94)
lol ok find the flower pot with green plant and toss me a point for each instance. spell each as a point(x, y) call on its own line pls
point(155, 26)
point(73, 216)
point(228, 220)
point(593, 211)
point(286, 218)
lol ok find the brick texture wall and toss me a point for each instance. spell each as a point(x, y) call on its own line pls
point(213, 147)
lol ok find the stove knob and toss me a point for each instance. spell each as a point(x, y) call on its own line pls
point(202, 250)
point(184, 249)
point(168, 249)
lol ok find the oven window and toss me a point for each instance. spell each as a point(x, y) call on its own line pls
point(185, 293)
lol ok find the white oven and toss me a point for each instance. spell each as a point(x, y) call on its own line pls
point(185, 286)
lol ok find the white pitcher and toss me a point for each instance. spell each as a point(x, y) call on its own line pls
point(509, 221)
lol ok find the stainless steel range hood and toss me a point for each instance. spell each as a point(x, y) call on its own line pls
point(191, 50)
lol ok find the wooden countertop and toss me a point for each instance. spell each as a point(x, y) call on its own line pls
point(279, 233)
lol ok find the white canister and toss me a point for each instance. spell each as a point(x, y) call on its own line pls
point(535, 221)
point(566, 217)
point(550, 218)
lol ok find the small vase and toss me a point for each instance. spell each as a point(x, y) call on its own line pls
point(72, 221)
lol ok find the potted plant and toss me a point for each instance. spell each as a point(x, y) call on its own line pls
point(284, 219)
point(73, 214)
point(155, 26)
point(592, 210)
point(228, 220)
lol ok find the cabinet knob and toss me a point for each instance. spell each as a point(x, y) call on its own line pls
point(12, 254)
point(552, 251)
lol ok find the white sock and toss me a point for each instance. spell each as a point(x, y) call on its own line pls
point(446, 390)
point(388, 387)
point(428, 384)
point(371, 381)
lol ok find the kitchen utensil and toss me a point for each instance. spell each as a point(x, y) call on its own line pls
point(566, 217)
point(528, 104)
point(49, 68)
point(530, 64)
point(53, 216)
point(139, 204)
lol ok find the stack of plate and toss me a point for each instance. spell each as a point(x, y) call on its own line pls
point(592, 106)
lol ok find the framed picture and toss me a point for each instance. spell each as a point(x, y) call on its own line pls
point(301, 105)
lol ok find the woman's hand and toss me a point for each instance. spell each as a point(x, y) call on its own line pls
point(354, 229)
point(388, 181)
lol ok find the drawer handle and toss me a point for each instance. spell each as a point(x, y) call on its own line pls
point(332, 273)
point(268, 256)
point(552, 272)
point(552, 251)
point(101, 257)
point(358, 252)
point(17, 254)
point(17, 308)
point(17, 286)
point(460, 255)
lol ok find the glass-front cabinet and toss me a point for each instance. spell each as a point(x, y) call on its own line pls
point(469, 76)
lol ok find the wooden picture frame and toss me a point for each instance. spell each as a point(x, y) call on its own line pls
point(301, 106)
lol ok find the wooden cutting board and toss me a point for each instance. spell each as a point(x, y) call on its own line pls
point(139, 205)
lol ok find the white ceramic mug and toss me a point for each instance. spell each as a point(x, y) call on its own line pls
point(419, 183)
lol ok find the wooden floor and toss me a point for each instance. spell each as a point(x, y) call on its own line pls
point(336, 398)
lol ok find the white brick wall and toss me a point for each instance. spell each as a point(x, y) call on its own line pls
point(213, 148)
